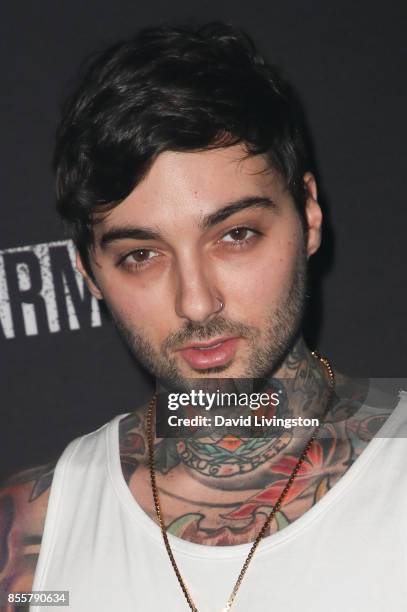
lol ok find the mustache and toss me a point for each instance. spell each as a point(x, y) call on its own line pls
point(206, 331)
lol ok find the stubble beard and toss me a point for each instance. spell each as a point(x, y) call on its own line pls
point(267, 351)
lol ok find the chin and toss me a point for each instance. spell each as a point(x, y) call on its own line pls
point(224, 373)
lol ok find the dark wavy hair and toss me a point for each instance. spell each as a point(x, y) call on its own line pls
point(170, 89)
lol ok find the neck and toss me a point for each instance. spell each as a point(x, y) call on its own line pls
point(222, 459)
point(303, 386)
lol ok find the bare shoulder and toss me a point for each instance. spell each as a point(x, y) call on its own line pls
point(23, 506)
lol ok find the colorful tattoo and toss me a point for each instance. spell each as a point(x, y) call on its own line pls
point(22, 496)
point(229, 484)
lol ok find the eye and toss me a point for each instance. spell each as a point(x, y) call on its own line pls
point(239, 235)
point(138, 258)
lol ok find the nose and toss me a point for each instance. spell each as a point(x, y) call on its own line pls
point(197, 296)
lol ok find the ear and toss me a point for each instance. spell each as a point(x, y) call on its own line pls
point(93, 288)
point(313, 214)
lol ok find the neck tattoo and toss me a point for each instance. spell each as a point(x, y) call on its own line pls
point(267, 522)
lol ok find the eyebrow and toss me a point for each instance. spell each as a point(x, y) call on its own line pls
point(147, 233)
point(234, 207)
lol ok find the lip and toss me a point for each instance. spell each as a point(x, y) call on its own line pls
point(203, 355)
point(208, 343)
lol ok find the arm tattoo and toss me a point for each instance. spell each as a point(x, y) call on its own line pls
point(23, 500)
point(40, 477)
point(6, 521)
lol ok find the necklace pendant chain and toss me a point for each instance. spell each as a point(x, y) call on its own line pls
point(267, 522)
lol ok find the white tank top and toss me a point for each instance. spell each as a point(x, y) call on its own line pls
point(347, 553)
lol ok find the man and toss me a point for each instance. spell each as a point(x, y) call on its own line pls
point(185, 181)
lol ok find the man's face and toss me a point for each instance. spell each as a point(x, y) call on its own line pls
point(203, 265)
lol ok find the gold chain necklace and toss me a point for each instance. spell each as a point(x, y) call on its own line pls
point(267, 522)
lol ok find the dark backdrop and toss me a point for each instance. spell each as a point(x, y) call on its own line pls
point(63, 369)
